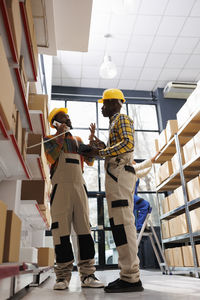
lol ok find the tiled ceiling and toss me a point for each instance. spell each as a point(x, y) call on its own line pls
point(153, 42)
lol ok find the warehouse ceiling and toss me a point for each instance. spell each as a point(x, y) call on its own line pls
point(152, 42)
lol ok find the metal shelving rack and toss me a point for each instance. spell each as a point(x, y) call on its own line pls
point(188, 171)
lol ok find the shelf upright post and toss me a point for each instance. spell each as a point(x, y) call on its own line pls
point(183, 183)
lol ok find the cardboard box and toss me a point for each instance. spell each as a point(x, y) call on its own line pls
point(172, 201)
point(12, 237)
point(198, 254)
point(166, 170)
point(187, 256)
point(179, 197)
point(35, 190)
point(195, 219)
point(24, 142)
point(3, 214)
point(162, 139)
point(165, 229)
point(169, 257)
point(197, 142)
point(171, 129)
point(7, 90)
point(29, 255)
point(45, 257)
point(15, 22)
point(178, 257)
point(189, 150)
point(182, 227)
point(18, 131)
point(193, 188)
point(193, 101)
point(40, 102)
point(156, 145)
point(175, 162)
point(23, 74)
point(35, 139)
point(183, 115)
point(165, 205)
point(173, 226)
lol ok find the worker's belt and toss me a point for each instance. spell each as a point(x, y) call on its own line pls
point(72, 161)
point(129, 169)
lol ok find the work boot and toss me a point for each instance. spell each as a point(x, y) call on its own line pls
point(91, 281)
point(121, 286)
point(61, 284)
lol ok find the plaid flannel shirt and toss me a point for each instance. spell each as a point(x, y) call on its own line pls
point(121, 136)
point(66, 143)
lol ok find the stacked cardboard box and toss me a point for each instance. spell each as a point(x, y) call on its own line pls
point(165, 205)
point(165, 229)
point(162, 140)
point(195, 219)
point(12, 237)
point(165, 170)
point(3, 215)
point(35, 190)
point(178, 225)
point(189, 150)
point(193, 188)
point(171, 129)
point(45, 257)
point(169, 257)
point(183, 115)
point(187, 256)
point(178, 256)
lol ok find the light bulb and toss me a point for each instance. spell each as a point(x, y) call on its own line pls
point(107, 69)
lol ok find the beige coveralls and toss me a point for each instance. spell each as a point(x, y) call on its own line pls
point(69, 204)
point(119, 186)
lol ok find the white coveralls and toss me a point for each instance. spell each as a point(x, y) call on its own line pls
point(69, 204)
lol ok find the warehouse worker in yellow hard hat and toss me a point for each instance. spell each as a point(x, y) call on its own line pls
point(69, 203)
point(119, 187)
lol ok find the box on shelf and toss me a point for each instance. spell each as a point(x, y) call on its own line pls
point(197, 142)
point(165, 205)
point(15, 22)
point(24, 142)
point(195, 219)
point(178, 257)
point(193, 188)
point(18, 131)
point(175, 162)
point(162, 139)
point(183, 115)
point(172, 201)
point(23, 74)
point(169, 257)
point(171, 129)
point(182, 224)
point(45, 257)
point(12, 237)
point(173, 226)
point(28, 255)
point(7, 90)
point(179, 197)
point(156, 145)
point(35, 139)
point(187, 256)
point(166, 170)
point(197, 247)
point(189, 150)
point(3, 214)
point(193, 101)
point(35, 190)
point(165, 229)
point(40, 102)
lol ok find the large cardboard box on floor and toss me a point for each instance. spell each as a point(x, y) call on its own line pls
point(165, 205)
point(197, 247)
point(166, 170)
point(183, 115)
point(187, 256)
point(193, 188)
point(12, 237)
point(15, 22)
point(7, 90)
point(169, 257)
point(3, 214)
point(165, 229)
point(45, 257)
point(178, 256)
point(35, 190)
point(195, 219)
point(162, 139)
point(171, 129)
point(189, 150)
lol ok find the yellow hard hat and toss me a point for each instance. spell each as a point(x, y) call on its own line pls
point(112, 94)
point(54, 112)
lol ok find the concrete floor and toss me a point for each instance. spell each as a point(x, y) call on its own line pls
point(156, 285)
